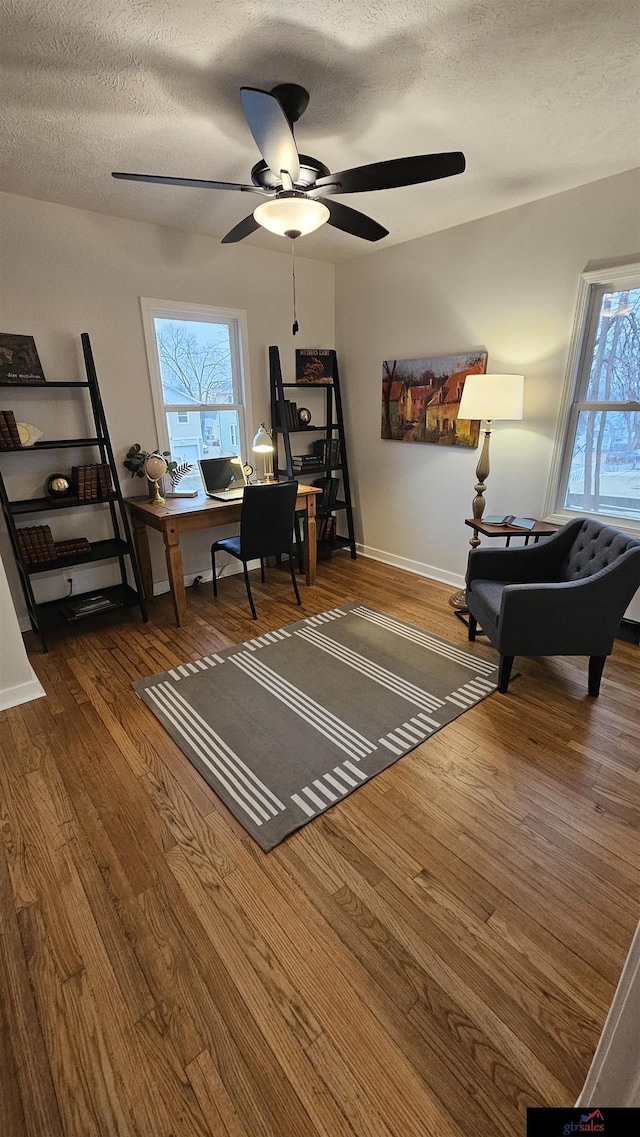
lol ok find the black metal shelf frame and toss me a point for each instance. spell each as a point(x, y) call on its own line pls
point(332, 427)
point(46, 615)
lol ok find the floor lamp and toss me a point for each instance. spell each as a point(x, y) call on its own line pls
point(489, 398)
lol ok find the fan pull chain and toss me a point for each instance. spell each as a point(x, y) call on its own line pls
point(294, 329)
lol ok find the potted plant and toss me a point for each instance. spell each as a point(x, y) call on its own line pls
point(135, 459)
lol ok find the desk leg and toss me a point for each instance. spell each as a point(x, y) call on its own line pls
point(141, 541)
point(176, 574)
point(309, 537)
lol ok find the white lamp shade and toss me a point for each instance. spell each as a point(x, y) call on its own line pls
point(291, 216)
point(262, 443)
point(492, 397)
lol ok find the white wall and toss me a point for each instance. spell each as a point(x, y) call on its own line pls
point(65, 271)
point(508, 284)
point(18, 681)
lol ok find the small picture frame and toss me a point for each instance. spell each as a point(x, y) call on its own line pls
point(19, 362)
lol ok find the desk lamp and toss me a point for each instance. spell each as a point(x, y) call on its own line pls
point(263, 444)
point(487, 397)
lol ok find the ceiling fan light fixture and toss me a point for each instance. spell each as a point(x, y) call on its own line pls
point(291, 214)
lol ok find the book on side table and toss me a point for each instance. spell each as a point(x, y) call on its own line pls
point(509, 519)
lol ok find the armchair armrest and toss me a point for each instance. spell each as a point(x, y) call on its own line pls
point(570, 617)
point(529, 563)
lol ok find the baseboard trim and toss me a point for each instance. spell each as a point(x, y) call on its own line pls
point(454, 579)
point(23, 693)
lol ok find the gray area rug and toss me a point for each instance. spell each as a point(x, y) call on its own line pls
point(286, 725)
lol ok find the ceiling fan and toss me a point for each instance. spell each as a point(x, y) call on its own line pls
point(298, 189)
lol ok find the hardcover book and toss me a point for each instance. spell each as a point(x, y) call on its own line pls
point(314, 365)
point(19, 361)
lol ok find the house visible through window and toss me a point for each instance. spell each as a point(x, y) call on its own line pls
point(599, 471)
point(199, 388)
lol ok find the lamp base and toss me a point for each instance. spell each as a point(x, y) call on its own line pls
point(458, 600)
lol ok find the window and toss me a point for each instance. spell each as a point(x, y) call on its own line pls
point(597, 468)
point(199, 381)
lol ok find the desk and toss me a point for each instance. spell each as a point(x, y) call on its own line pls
point(185, 515)
point(540, 529)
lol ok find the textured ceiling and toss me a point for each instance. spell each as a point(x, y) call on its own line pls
point(541, 95)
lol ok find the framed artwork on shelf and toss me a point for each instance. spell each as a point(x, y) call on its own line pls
point(314, 365)
point(19, 361)
point(421, 398)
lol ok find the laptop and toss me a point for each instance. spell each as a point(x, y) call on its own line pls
point(223, 478)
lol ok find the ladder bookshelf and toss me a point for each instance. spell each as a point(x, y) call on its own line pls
point(55, 613)
point(325, 464)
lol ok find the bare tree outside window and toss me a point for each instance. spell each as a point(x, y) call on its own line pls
point(603, 467)
point(195, 361)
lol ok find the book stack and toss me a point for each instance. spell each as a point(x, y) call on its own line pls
point(78, 548)
point(326, 529)
point(327, 451)
point(36, 544)
point(288, 415)
point(304, 462)
point(88, 605)
point(9, 437)
point(92, 483)
point(329, 487)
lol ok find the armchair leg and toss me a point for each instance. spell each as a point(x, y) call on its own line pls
point(506, 663)
point(473, 624)
point(596, 667)
point(213, 570)
point(248, 588)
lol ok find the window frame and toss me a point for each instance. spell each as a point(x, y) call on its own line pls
point(591, 287)
point(236, 319)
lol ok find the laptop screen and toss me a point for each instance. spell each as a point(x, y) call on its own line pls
point(222, 473)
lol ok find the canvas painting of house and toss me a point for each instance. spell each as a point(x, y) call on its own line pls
point(421, 397)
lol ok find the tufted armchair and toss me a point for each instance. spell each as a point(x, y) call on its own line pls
point(564, 596)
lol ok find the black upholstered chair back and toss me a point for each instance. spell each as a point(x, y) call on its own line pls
point(595, 547)
point(266, 523)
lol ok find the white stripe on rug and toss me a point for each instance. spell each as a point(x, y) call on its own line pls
point(216, 769)
point(374, 671)
point(235, 764)
point(424, 640)
point(340, 733)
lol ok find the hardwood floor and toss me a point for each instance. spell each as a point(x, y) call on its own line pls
point(431, 956)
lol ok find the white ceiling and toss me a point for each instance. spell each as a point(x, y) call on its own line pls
point(541, 95)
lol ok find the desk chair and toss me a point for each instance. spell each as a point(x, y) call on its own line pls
point(565, 596)
point(266, 530)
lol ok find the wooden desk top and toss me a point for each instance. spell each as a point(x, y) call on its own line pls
point(540, 529)
point(186, 513)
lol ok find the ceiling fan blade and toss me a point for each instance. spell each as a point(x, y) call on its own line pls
point(351, 221)
point(271, 131)
point(242, 229)
point(197, 183)
point(394, 173)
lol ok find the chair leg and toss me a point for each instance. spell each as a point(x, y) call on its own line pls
point(506, 663)
point(596, 667)
point(473, 624)
point(294, 582)
point(248, 588)
point(262, 569)
point(213, 571)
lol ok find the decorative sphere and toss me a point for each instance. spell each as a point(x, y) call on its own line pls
point(155, 467)
point(58, 485)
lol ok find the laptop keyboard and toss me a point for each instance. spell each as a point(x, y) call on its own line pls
point(230, 495)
